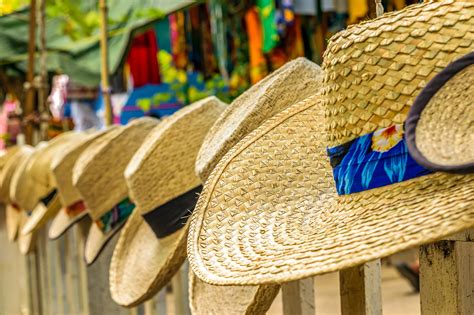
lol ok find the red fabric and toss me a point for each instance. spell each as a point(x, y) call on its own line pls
point(143, 61)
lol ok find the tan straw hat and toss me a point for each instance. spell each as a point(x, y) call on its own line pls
point(276, 209)
point(293, 82)
point(163, 185)
point(6, 174)
point(98, 176)
point(440, 125)
point(73, 208)
point(43, 191)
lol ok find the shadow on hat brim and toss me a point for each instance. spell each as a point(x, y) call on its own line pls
point(141, 263)
point(26, 242)
point(40, 215)
point(212, 299)
point(96, 242)
point(12, 219)
point(62, 222)
point(269, 212)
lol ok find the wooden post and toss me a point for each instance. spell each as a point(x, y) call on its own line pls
point(105, 63)
point(181, 290)
point(298, 297)
point(28, 106)
point(361, 291)
point(447, 275)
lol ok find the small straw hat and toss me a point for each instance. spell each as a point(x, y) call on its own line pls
point(277, 209)
point(163, 185)
point(98, 176)
point(440, 125)
point(293, 82)
point(18, 182)
point(43, 192)
point(73, 208)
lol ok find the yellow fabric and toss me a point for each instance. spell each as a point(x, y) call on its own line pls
point(358, 9)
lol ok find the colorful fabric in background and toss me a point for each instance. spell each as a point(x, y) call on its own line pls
point(142, 59)
point(163, 35)
point(374, 160)
point(178, 39)
point(9, 128)
point(285, 16)
point(116, 216)
point(258, 64)
point(358, 10)
point(266, 10)
point(219, 35)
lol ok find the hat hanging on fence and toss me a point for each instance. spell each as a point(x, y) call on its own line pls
point(18, 183)
point(43, 191)
point(277, 209)
point(164, 186)
point(293, 82)
point(98, 176)
point(12, 212)
point(440, 124)
point(73, 207)
point(5, 161)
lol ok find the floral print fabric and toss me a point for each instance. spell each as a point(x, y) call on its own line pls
point(373, 160)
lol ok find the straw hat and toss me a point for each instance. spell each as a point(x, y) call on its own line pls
point(293, 82)
point(43, 191)
point(440, 125)
point(98, 176)
point(73, 208)
point(271, 211)
point(8, 170)
point(18, 182)
point(163, 185)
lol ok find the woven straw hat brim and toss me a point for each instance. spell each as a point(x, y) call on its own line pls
point(101, 165)
point(269, 212)
point(440, 125)
point(8, 172)
point(215, 300)
point(165, 160)
point(294, 81)
point(12, 218)
point(62, 222)
point(6, 155)
point(96, 241)
point(21, 184)
point(26, 242)
point(142, 264)
point(40, 215)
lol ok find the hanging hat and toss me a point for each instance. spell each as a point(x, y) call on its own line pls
point(73, 208)
point(440, 124)
point(43, 190)
point(98, 176)
point(277, 209)
point(163, 185)
point(5, 157)
point(12, 210)
point(293, 82)
point(18, 183)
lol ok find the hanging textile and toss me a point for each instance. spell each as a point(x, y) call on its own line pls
point(218, 28)
point(258, 65)
point(294, 40)
point(266, 10)
point(285, 16)
point(163, 35)
point(178, 40)
point(358, 9)
point(143, 61)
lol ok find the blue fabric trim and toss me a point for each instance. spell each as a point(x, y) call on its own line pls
point(358, 166)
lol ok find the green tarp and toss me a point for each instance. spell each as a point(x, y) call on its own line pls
point(80, 59)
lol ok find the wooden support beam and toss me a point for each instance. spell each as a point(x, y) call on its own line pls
point(298, 297)
point(361, 291)
point(446, 277)
point(181, 290)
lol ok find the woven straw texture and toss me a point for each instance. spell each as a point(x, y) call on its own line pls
point(161, 170)
point(8, 170)
point(292, 82)
point(100, 167)
point(445, 134)
point(269, 211)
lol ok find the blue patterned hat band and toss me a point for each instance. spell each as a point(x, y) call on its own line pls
point(373, 160)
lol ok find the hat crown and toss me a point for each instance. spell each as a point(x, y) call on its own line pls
point(375, 70)
point(163, 168)
point(98, 172)
point(289, 84)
